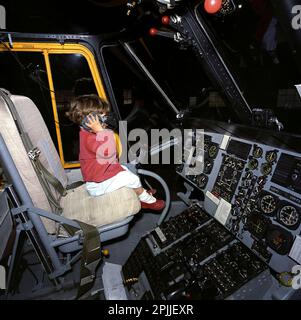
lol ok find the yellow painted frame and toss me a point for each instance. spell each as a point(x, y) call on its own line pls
point(55, 48)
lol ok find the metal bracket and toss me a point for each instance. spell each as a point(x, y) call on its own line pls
point(34, 154)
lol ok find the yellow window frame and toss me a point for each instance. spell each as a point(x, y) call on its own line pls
point(56, 48)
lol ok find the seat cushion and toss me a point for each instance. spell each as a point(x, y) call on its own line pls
point(102, 210)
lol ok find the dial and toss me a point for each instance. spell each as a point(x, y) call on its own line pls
point(212, 151)
point(257, 152)
point(253, 164)
point(208, 165)
point(202, 180)
point(279, 239)
point(271, 156)
point(257, 225)
point(266, 169)
point(268, 204)
point(289, 216)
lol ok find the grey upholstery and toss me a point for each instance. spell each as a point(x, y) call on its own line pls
point(99, 211)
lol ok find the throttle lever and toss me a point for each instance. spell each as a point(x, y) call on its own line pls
point(176, 36)
point(156, 32)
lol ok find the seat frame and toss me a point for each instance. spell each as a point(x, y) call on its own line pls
point(29, 220)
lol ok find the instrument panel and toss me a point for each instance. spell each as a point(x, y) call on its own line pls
point(191, 256)
point(254, 190)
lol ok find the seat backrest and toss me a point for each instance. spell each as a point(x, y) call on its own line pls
point(19, 155)
point(38, 133)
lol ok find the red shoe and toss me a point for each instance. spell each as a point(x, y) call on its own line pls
point(157, 206)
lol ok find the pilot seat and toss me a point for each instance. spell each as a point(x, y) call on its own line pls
point(111, 213)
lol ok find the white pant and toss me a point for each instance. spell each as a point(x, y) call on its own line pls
point(122, 179)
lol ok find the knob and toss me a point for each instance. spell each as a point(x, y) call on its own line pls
point(294, 176)
point(105, 252)
point(165, 20)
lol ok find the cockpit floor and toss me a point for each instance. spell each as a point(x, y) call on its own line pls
point(31, 282)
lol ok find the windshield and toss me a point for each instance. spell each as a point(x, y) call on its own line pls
point(260, 57)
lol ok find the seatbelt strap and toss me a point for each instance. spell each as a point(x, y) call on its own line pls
point(74, 185)
point(91, 256)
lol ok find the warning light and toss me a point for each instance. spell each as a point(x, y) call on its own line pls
point(212, 6)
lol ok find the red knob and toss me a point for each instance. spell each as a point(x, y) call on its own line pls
point(153, 31)
point(213, 6)
point(165, 20)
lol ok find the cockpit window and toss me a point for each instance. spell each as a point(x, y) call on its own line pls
point(24, 73)
point(71, 77)
point(138, 101)
point(258, 53)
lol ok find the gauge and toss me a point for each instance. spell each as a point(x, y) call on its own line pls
point(279, 239)
point(208, 165)
point(271, 156)
point(253, 164)
point(257, 152)
point(212, 151)
point(257, 225)
point(202, 180)
point(268, 204)
point(266, 169)
point(289, 216)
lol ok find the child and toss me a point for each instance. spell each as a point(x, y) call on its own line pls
point(98, 153)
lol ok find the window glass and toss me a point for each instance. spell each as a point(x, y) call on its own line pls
point(138, 101)
point(71, 77)
point(24, 73)
point(257, 48)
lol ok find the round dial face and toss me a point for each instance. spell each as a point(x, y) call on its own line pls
point(289, 216)
point(212, 151)
point(279, 239)
point(268, 204)
point(253, 164)
point(257, 225)
point(271, 156)
point(257, 152)
point(266, 169)
point(202, 181)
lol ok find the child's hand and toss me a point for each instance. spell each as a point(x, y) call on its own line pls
point(94, 124)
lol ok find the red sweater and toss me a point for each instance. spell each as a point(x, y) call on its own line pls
point(98, 156)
